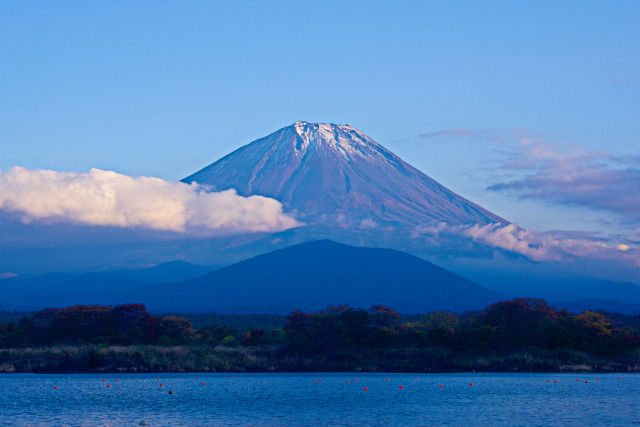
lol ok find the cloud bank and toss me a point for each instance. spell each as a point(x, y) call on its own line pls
point(106, 198)
point(535, 245)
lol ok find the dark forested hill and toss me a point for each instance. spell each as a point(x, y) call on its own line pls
point(312, 275)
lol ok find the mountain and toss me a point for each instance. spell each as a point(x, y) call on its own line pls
point(29, 285)
point(312, 275)
point(61, 289)
point(336, 175)
point(169, 272)
point(97, 281)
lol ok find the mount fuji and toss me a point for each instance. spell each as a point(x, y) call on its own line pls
point(335, 175)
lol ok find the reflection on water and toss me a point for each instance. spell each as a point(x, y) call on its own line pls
point(320, 399)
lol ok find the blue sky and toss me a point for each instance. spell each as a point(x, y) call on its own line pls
point(468, 92)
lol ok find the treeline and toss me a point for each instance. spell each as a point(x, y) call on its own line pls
point(523, 325)
point(523, 334)
point(95, 324)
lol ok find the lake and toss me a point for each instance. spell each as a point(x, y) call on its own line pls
point(320, 399)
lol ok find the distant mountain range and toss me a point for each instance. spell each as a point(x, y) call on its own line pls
point(61, 289)
point(307, 276)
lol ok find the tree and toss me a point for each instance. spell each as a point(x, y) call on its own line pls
point(597, 323)
point(175, 329)
point(384, 317)
point(133, 323)
point(84, 323)
point(253, 337)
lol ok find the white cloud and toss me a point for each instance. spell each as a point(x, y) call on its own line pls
point(534, 245)
point(107, 198)
point(538, 246)
point(430, 229)
point(368, 223)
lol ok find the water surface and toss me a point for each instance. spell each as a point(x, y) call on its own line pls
point(320, 399)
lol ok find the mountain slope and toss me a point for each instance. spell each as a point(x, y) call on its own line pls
point(61, 289)
point(337, 175)
point(169, 272)
point(313, 275)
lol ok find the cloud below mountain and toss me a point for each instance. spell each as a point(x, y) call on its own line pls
point(536, 245)
point(542, 246)
point(107, 198)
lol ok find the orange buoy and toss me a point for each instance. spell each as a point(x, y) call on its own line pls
point(315, 381)
point(55, 387)
point(158, 379)
point(400, 387)
point(441, 386)
point(234, 378)
point(386, 379)
point(585, 381)
point(197, 378)
point(578, 379)
point(366, 389)
point(161, 385)
point(555, 381)
point(470, 384)
point(108, 385)
point(356, 379)
point(347, 381)
point(416, 377)
point(117, 379)
point(104, 381)
point(319, 381)
point(597, 379)
point(170, 392)
point(203, 383)
point(548, 381)
point(618, 377)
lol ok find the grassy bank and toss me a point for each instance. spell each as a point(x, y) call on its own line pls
point(194, 358)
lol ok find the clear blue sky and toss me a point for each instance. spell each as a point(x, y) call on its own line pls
point(165, 88)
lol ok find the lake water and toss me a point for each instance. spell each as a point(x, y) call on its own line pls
point(320, 399)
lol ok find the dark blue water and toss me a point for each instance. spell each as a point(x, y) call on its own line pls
point(295, 399)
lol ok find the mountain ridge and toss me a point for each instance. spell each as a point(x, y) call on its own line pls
point(63, 289)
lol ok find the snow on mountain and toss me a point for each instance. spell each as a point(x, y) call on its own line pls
point(336, 175)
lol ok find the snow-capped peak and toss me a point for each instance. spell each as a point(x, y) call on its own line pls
point(336, 174)
point(343, 139)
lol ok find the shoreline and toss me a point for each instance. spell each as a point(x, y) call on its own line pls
point(150, 359)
